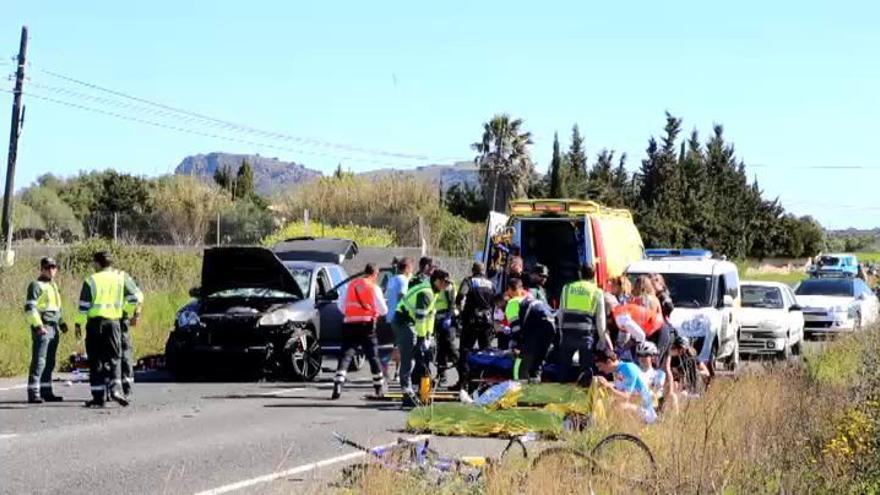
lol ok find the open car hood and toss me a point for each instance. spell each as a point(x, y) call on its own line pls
point(316, 250)
point(225, 268)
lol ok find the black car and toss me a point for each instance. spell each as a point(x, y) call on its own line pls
point(274, 312)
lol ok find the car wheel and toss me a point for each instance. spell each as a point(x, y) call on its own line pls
point(733, 359)
point(357, 363)
point(786, 353)
point(303, 356)
point(797, 347)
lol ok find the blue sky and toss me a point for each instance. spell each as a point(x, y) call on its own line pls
point(794, 84)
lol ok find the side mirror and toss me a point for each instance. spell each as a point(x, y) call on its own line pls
point(727, 301)
point(862, 296)
point(795, 307)
point(195, 292)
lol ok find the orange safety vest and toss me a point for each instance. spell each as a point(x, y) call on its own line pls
point(360, 306)
point(649, 319)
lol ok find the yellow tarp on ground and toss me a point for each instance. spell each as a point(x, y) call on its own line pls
point(541, 408)
point(474, 421)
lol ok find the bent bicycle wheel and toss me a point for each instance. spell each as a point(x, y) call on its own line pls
point(623, 460)
point(558, 469)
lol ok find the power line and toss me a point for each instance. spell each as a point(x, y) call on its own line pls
point(239, 127)
point(197, 132)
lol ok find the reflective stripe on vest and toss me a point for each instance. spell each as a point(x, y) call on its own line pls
point(108, 288)
point(360, 304)
point(581, 301)
point(650, 320)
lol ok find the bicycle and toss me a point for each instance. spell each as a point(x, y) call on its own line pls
point(619, 458)
point(418, 458)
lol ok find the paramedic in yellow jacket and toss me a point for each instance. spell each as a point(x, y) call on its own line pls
point(101, 308)
point(43, 311)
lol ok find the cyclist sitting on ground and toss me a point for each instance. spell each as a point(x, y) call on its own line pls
point(631, 392)
point(653, 377)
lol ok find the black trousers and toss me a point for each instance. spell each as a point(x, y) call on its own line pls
point(475, 332)
point(536, 340)
point(363, 336)
point(447, 352)
point(585, 346)
point(104, 348)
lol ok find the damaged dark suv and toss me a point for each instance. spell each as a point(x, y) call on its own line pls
point(249, 313)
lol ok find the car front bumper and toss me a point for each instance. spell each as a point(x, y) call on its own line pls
point(761, 341)
point(825, 323)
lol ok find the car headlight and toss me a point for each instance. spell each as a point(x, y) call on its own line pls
point(839, 309)
point(187, 318)
point(276, 318)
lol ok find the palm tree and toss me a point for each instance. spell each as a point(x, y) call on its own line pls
point(505, 165)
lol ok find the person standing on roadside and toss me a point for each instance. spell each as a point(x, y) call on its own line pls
point(537, 281)
point(581, 324)
point(131, 313)
point(362, 306)
point(396, 289)
point(445, 328)
point(475, 299)
point(43, 310)
point(415, 321)
point(101, 302)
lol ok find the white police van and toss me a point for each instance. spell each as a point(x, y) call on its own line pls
point(706, 293)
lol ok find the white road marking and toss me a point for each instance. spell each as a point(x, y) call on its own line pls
point(4, 436)
point(298, 470)
point(282, 391)
point(14, 387)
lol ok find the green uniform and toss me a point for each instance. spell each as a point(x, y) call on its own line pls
point(101, 308)
point(445, 329)
point(43, 310)
point(581, 323)
point(414, 322)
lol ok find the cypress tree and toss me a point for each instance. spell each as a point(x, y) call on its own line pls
point(557, 174)
point(244, 182)
point(576, 159)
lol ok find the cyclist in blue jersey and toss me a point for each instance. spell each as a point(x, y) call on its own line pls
point(629, 388)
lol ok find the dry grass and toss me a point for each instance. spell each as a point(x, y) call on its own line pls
point(800, 428)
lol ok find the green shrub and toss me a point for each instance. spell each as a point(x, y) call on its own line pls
point(59, 218)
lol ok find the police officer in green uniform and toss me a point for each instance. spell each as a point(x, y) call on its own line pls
point(131, 312)
point(414, 320)
point(43, 311)
point(101, 302)
point(445, 324)
point(581, 324)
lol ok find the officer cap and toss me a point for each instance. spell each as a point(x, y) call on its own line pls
point(48, 262)
point(102, 258)
point(441, 275)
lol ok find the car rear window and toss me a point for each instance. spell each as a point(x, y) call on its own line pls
point(834, 288)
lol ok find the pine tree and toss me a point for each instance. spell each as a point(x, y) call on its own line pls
point(600, 176)
point(621, 186)
point(576, 160)
point(660, 196)
point(557, 174)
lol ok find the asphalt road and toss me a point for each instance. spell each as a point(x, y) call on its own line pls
point(194, 437)
point(198, 437)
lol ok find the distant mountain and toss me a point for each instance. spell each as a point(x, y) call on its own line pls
point(464, 173)
point(271, 175)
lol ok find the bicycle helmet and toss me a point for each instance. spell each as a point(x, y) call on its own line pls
point(646, 349)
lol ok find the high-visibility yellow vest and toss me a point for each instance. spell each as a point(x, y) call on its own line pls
point(423, 318)
point(49, 301)
point(444, 302)
point(580, 301)
point(511, 311)
point(108, 290)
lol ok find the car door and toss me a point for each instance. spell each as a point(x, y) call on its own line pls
point(868, 302)
point(383, 330)
point(729, 325)
point(328, 308)
point(795, 316)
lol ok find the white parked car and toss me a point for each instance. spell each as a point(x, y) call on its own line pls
point(833, 305)
point(706, 293)
point(770, 320)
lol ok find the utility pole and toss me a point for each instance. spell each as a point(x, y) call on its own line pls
point(14, 132)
